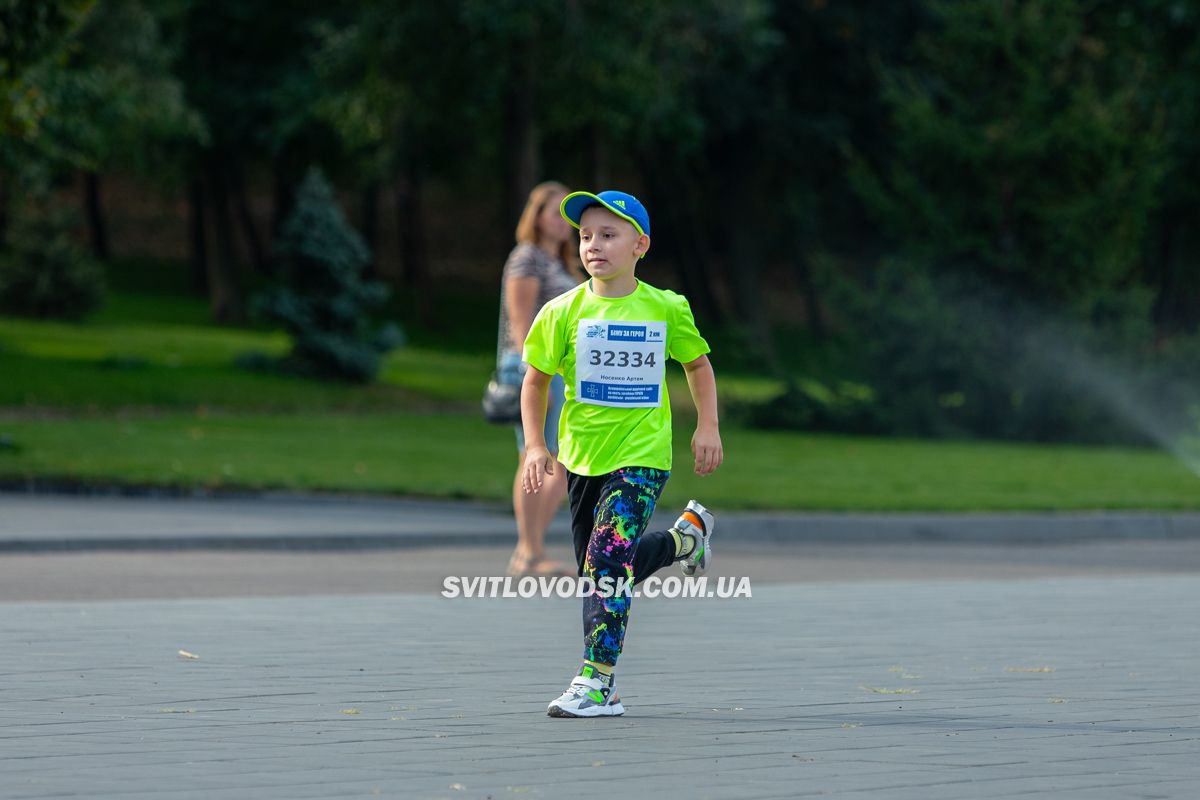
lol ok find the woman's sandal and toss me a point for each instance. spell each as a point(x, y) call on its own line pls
point(518, 565)
point(548, 568)
point(525, 567)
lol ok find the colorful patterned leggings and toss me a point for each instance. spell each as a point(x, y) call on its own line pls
point(609, 514)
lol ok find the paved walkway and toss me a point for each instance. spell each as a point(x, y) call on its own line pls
point(1064, 688)
point(1048, 686)
point(46, 523)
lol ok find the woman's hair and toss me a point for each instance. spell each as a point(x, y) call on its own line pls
point(527, 227)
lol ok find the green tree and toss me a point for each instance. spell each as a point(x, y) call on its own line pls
point(1026, 156)
point(246, 66)
point(406, 104)
point(120, 106)
point(1161, 39)
point(35, 40)
point(88, 88)
point(325, 304)
point(44, 272)
point(1021, 150)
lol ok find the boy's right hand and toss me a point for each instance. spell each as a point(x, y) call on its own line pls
point(538, 464)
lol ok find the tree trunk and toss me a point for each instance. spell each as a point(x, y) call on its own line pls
point(745, 248)
point(283, 192)
point(370, 226)
point(599, 159)
point(222, 273)
point(520, 135)
point(745, 267)
point(812, 302)
point(696, 262)
point(97, 229)
point(198, 237)
point(1176, 307)
point(413, 268)
point(675, 223)
point(4, 218)
point(241, 204)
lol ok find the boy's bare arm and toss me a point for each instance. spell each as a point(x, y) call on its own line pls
point(706, 442)
point(538, 461)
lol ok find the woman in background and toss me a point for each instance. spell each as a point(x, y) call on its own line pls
point(535, 272)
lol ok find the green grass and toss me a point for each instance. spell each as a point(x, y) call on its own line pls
point(458, 455)
point(146, 307)
point(154, 347)
point(110, 363)
point(146, 392)
point(409, 453)
point(107, 365)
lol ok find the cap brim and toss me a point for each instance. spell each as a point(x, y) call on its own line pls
point(574, 204)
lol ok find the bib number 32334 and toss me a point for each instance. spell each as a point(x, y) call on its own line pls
point(620, 363)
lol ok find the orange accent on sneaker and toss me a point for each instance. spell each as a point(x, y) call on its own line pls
point(693, 518)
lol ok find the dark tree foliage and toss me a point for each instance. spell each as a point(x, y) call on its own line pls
point(1020, 150)
point(325, 304)
point(31, 34)
point(1014, 187)
point(44, 272)
point(879, 174)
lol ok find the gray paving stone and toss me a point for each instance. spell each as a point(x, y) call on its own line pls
point(898, 690)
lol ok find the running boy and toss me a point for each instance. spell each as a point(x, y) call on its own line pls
point(610, 338)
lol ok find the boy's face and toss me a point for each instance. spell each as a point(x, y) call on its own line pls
point(609, 246)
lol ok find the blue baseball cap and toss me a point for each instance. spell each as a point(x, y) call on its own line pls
point(625, 206)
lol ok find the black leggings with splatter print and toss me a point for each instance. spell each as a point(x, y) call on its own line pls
point(609, 514)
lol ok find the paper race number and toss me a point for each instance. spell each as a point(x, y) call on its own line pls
point(620, 364)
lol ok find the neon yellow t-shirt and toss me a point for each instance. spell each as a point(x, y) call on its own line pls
point(612, 352)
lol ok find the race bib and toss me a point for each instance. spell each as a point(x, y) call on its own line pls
point(620, 364)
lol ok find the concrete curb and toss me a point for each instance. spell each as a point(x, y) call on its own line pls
point(33, 523)
point(980, 528)
point(216, 541)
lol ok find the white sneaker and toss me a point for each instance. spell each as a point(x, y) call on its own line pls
point(699, 522)
point(587, 697)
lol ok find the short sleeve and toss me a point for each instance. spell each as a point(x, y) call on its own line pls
point(686, 342)
point(523, 262)
point(545, 345)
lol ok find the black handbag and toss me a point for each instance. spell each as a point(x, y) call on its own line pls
point(502, 402)
point(502, 396)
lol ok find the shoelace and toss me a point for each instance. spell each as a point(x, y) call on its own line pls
point(579, 688)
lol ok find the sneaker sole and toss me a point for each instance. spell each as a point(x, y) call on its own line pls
point(615, 710)
point(700, 566)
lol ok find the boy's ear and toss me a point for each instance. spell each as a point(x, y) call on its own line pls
point(642, 247)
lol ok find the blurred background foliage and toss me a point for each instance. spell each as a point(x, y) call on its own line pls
point(935, 218)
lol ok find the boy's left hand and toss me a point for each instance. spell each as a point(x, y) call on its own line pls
point(706, 448)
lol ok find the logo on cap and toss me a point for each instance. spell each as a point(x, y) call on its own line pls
point(619, 203)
